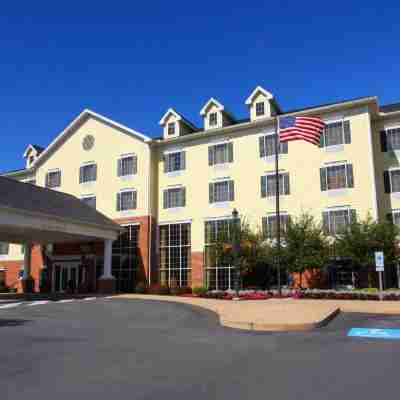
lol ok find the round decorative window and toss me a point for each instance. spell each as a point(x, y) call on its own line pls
point(88, 142)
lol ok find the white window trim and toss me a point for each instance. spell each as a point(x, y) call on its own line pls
point(255, 109)
point(85, 164)
point(217, 113)
point(131, 209)
point(335, 147)
point(390, 178)
point(173, 209)
point(172, 151)
point(337, 164)
point(174, 221)
point(51, 171)
point(333, 209)
point(130, 176)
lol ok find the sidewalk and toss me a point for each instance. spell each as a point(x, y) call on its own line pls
point(259, 315)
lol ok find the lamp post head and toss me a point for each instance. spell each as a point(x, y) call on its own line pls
point(235, 213)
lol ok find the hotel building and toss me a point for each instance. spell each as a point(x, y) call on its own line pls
point(173, 194)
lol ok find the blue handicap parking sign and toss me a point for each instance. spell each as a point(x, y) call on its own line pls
point(375, 333)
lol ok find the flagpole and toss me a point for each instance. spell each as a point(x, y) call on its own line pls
point(277, 210)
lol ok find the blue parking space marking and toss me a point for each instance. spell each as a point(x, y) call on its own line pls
point(375, 333)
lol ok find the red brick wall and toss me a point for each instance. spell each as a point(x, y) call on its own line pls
point(197, 269)
point(13, 268)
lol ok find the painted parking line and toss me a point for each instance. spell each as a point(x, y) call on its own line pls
point(38, 303)
point(375, 333)
point(89, 298)
point(12, 305)
point(109, 297)
point(66, 301)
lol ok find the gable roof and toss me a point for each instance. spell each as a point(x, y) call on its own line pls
point(79, 120)
point(178, 116)
point(39, 200)
point(35, 147)
point(259, 89)
point(209, 102)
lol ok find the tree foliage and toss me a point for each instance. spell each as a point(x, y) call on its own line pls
point(305, 246)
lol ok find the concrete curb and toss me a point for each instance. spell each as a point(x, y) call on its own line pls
point(254, 326)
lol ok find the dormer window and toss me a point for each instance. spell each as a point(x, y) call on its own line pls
point(213, 119)
point(260, 109)
point(171, 129)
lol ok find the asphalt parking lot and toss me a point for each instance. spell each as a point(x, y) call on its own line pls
point(146, 350)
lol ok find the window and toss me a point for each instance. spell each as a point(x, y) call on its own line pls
point(219, 275)
point(4, 248)
point(174, 162)
point(90, 201)
point(221, 191)
point(268, 185)
point(53, 179)
point(126, 200)
point(336, 221)
point(337, 177)
point(174, 197)
point(260, 109)
point(220, 153)
point(267, 146)
point(269, 225)
point(390, 139)
point(127, 165)
point(213, 119)
point(336, 133)
point(126, 258)
point(88, 173)
point(391, 180)
point(171, 128)
point(394, 217)
point(175, 255)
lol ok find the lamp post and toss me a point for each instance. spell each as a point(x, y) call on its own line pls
point(236, 248)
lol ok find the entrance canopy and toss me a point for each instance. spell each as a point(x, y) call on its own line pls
point(32, 214)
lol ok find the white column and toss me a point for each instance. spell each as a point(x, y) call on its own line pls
point(27, 260)
point(107, 259)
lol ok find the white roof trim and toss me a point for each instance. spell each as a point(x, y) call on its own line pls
point(88, 113)
point(30, 147)
point(258, 89)
point(211, 101)
point(165, 116)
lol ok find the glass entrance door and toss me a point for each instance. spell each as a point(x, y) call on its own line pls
point(66, 277)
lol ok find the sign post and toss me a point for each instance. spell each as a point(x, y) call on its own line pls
point(380, 268)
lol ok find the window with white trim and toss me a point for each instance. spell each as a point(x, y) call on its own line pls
point(221, 153)
point(394, 217)
point(171, 128)
point(336, 133)
point(127, 200)
point(175, 254)
point(267, 146)
point(221, 191)
point(336, 221)
point(219, 275)
point(53, 179)
point(268, 184)
point(391, 181)
point(174, 197)
point(337, 176)
point(2, 278)
point(127, 165)
point(175, 161)
point(4, 248)
point(390, 139)
point(260, 109)
point(269, 225)
point(89, 200)
point(88, 173)
point(213, 119)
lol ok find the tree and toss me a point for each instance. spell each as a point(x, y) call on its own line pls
point(252, 250)
point(305, 246)
point(363, 238)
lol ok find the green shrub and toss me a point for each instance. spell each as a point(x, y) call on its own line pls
point(141, 288)
point(200, 290)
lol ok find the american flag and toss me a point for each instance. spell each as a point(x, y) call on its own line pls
point(301, 128)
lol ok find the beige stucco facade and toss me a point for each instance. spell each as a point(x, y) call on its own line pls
point(302, 161)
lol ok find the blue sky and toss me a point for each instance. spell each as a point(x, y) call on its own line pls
point(132, 60)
